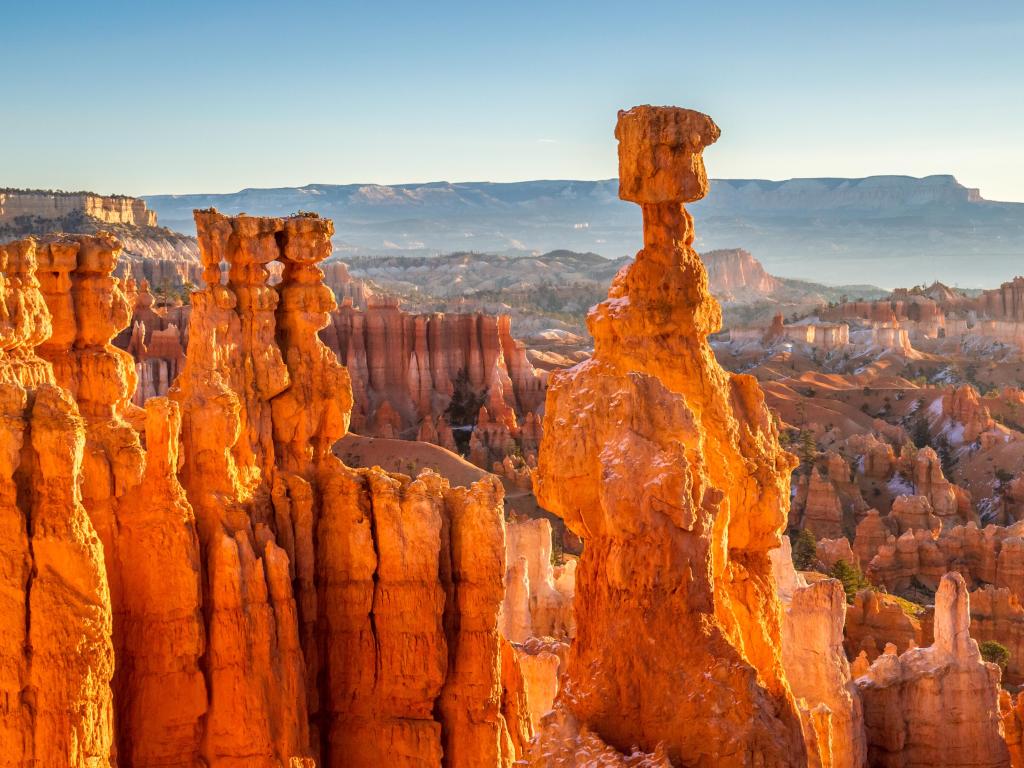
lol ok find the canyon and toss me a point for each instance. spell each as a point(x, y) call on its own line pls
point(237, 529)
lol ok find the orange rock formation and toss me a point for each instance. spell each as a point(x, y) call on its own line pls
point(816, 665)
point(936, 706)
point(671, 471)
point(275, 607)
point(56, 654)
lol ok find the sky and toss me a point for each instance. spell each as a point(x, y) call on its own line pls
point(187, 96)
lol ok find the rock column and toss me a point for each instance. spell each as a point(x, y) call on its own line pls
point(670, 470)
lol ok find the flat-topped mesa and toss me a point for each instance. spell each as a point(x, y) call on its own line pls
point(671, 471)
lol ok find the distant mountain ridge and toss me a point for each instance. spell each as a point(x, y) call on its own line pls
point(889, 230)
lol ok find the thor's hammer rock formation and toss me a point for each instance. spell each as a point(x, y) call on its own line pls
point(670, 469)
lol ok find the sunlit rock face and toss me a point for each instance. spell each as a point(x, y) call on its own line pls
point(670, 470)
point(202, 583)
point(56, 654)
point(936, 706)
point(375, 596)
point(816, 666)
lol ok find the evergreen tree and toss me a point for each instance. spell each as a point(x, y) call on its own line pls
point(465, 404)
point(805, 551)
point(921, 435)
point(807, 450)
point(850, 577)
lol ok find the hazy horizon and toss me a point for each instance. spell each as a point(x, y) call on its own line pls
point(196, 98)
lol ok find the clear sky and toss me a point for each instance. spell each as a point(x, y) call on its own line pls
point(187, 96)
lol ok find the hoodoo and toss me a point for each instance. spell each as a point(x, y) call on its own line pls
point(671, 471)
point(56, 655)
point(351, 614)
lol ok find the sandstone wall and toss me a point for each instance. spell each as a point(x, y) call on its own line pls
point(56, 655)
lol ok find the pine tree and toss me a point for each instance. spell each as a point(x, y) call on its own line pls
point(850, 577)
point(922, 435)
point(808, 450)
point(805, 551)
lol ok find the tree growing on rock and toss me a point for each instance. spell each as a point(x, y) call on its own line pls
point(850, 577)
point(995, 653)
point(465, 404)
point(805, 551)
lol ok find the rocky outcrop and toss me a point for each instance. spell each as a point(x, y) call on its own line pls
point(823, 511)
point(156, 338)
point(274, 608)
point(734, 274)
point(933, 485)
point(936, 706)
point(991, 555)
point(963, 406)
point(671, 471)
point(911, 513)
point(538, 602)
point(135, 503)
point(876, 620)
point(391, 564)
point(412, 366)
point(816, 666)
point(873, 533)
point(56, 654)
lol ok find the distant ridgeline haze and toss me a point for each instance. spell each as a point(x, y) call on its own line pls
point(888, 230)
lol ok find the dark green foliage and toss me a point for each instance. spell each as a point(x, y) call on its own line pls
point(805, 551)
point(995, 653)
point(850, 577)
point(807, 450)
point(945, 454)
point(921, 434)
point(465, 404)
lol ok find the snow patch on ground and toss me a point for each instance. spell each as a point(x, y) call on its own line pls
point(899, 486)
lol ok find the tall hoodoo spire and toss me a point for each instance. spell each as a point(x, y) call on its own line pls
point(671, 471)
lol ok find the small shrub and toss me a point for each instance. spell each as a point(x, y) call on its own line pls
point(996, 653)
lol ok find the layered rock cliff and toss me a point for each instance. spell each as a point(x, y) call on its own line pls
point(670, 470)
point(108, 209)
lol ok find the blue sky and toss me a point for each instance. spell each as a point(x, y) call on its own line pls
point(174, 97)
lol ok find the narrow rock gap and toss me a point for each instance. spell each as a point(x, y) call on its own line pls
point(25, 499)
point(449, 619)
point(377, 662)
